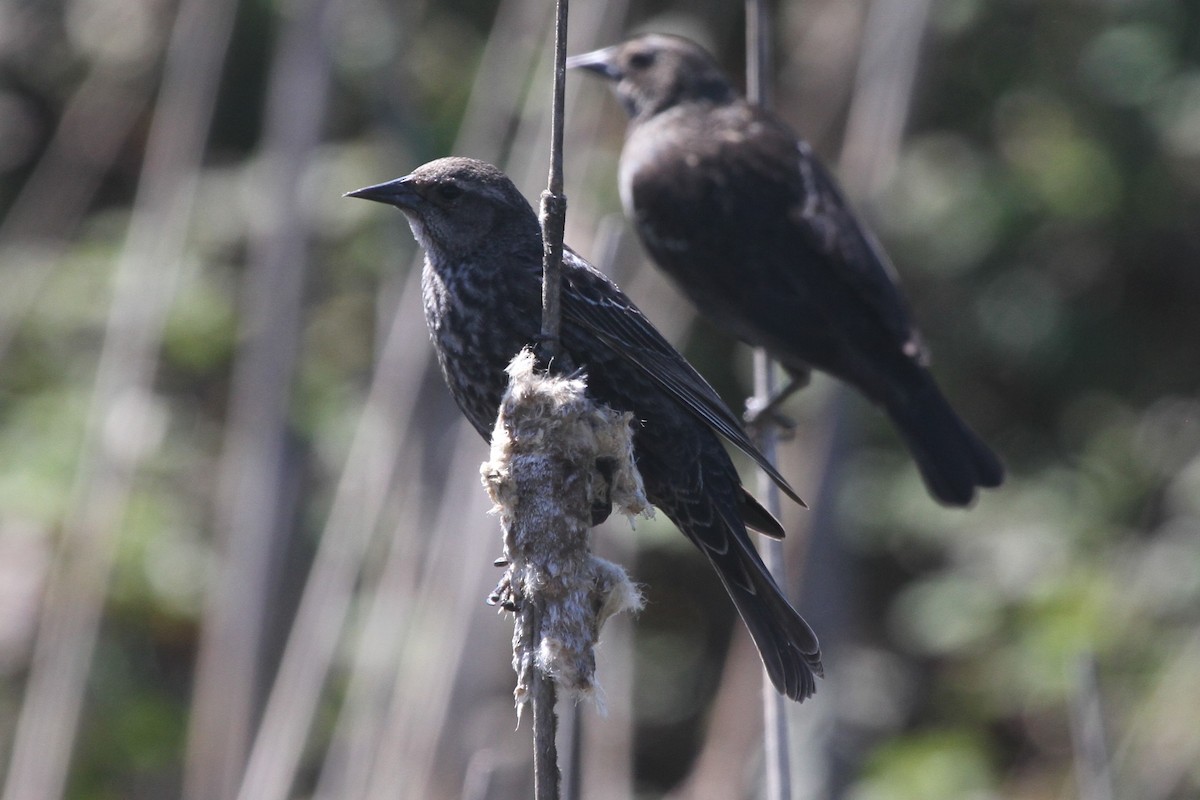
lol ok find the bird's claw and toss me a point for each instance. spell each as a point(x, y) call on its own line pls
point(504, 596)
point(549, 356)
point(761, 413)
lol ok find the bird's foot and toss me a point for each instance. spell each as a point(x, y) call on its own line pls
point(550, 357)
point(760, 415)
point(505, 596)
point(763, 412)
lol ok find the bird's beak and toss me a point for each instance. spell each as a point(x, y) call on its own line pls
point(399, 193)
point(602, 62)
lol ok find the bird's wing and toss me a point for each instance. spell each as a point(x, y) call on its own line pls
point(732, 185)
point(823, 220)
point(594, 302)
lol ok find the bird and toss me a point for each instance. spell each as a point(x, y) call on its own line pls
point(481, 288)
point(735, 208)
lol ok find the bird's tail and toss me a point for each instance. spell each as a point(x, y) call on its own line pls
point(788, 647)
point(953, 460)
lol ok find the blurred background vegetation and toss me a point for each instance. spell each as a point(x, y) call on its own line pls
point(243, 547)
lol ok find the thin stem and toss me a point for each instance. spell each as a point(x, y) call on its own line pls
point(775, 727)
point(572, 779)
point(252, 512)
point(1093, 763)
point(546, 776)
point(775, 730)
point(758, 52)
point(554, 203)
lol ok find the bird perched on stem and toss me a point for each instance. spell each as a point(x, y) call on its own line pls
point(755, 231)
point(482, 293)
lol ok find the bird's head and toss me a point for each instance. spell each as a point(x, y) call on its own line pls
point(655, 72)
point(455, 205)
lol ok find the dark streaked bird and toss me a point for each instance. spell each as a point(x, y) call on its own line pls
point(482, 292)
point(754, 230)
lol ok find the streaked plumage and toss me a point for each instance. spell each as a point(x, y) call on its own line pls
point(482, 289)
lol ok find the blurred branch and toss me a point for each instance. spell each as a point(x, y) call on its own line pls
point(572, 760)
point(758, 52)
point(253, 521)
point(883, 88)
point(329, 589)
point(94, 125)
point(121, 425)
point(1093, 766)
point(775, 722)
point(501, 79)
point(547, 777)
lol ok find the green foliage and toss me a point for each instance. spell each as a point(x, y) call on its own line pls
point(937, 765)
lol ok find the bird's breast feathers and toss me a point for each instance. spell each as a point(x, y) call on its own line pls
point(434, 296)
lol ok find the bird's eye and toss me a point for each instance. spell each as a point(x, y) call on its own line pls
point(448, 192)
point(642, 59)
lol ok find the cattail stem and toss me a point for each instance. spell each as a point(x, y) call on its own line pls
point(775, 729)
point(758, 52)
point(547, 778)
point(553, 212)
point(557, 460)
point(553, 218)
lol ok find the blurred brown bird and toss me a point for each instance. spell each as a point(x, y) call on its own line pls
point(482, 291)
point(755, 231)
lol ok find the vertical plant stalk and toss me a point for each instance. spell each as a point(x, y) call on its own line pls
point(122, 426)
point(38, 228)
point(547, 777)
point(252, 518)
point(553, 218)
point(775, 728)
point(553, 212)
point(1089, 746)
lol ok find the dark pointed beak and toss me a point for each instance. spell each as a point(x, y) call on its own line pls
point(399, 193)
point(602, 62)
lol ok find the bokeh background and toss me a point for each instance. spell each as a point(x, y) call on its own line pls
point(243, 545)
